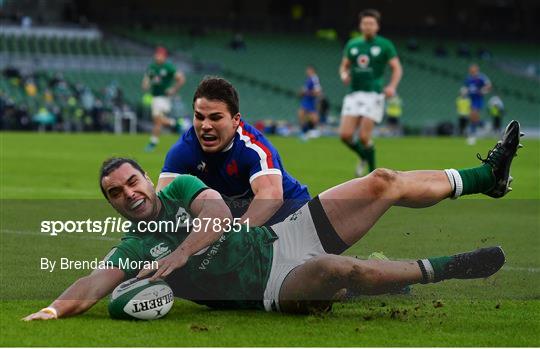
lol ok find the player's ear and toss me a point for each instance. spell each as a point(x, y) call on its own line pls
point(236, 119)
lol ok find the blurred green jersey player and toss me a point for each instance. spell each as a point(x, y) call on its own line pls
point(163, 81)
point(362, 68)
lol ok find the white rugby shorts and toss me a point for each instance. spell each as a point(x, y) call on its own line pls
point(299, 239)
point(161, 106)
point(366, 104)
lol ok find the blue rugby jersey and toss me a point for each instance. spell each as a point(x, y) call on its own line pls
point(231, 171)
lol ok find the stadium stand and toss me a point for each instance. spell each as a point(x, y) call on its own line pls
point(429, 87)
point(268, 79)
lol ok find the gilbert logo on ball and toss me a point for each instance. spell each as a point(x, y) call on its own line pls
point(141, 299)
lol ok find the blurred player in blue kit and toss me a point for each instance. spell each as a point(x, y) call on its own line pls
point(477, 85)
point(307, 114)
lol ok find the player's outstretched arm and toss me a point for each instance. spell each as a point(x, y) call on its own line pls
point(268, 190)
point(208, 204)
point(81, 295)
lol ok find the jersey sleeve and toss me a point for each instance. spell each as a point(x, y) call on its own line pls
point(391, 50)
point(183, 189)
point(260, 157)
point(171, 68)
point(120, 256)
point(177, 161)
point(346, 50)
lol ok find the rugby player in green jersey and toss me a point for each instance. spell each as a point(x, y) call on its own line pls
point(163, 81)
point(294, 265)
point(362, 68)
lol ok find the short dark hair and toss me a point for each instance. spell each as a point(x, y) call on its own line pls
point(218, 89)
point(112, 164)
point(370, 13)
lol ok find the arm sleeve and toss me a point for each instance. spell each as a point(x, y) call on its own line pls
point(391, 50)
point(261, 158)
point(177, 160)
point(183, 189)
point(346, 50)
point(128, 250)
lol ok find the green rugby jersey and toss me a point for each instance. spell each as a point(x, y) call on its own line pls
point(161, 77)
point(368, 60)
point(231, 273)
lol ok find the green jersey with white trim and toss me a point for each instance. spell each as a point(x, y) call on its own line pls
point(232, 272)
point(368, 60)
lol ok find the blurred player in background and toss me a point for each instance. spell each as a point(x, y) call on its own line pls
point(163, 81)
point(307, 114)
point(477, 85)
point(463, 109)
point(496, 111)
point(362, 67)
point(394, 110)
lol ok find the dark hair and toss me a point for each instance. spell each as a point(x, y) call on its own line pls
point(370, 13)
point(218, 89)
point(112, 164)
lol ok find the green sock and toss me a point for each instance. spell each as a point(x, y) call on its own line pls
point(477, 180)
point(434, 268)
point(370, 157)
point(357, 148)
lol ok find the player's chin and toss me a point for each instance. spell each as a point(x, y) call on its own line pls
point(211, 147)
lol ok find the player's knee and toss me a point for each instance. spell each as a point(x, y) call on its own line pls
point(382, 181)
point(346, 137)
point(365, 139)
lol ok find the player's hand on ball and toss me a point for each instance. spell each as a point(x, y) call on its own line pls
point(165, 266)
point(40, 315)
point(389, 91)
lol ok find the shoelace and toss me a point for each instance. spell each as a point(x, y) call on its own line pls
point(493, 155)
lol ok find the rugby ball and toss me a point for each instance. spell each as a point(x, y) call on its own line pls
point(141, 299)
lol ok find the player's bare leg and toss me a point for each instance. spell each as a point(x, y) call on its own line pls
point(314, 285)
point(473, 125)
point(354, 207)
point(158, 122)
point(317, 282)
point(347, 127)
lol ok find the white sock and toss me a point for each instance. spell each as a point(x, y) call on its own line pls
point(154, 140)
point(427, 270)
point(455, 182)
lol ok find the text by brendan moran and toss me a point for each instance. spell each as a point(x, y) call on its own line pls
point(71, 264)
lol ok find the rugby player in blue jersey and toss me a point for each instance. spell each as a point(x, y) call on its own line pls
point(477, 85)
point(233, 158)
point(307, 114)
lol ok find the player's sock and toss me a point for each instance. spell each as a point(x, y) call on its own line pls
point(472, 128)
point(434, 268)
point(370, 157)
point(471, 180)
point(152, 144)
point(357, 148)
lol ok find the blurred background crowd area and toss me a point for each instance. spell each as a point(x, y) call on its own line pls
point(77, 65)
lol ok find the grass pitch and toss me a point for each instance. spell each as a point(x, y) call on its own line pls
point(504, 310)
